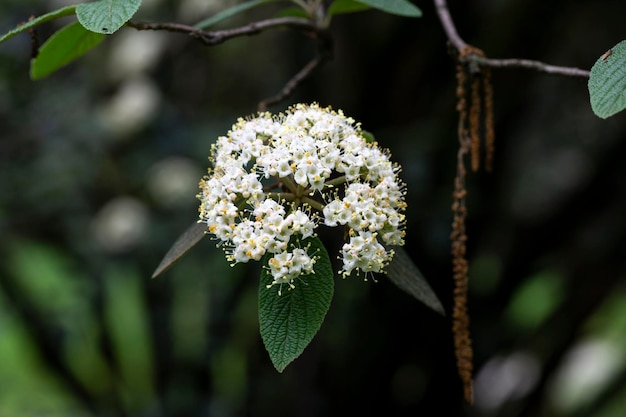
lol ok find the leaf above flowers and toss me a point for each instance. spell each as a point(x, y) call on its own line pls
point(231, 11)
point(607, 82)
point(63, 47)
point(65, 11)
point(347, 6)
point(289, 321)
point(397, 7)
point(106, 16)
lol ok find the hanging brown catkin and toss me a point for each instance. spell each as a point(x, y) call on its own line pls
point(460, 318)
point(489, 121)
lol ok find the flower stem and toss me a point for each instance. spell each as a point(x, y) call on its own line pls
point(291, 186)
point(313, 203)
point(335, 181)
point(282, 196)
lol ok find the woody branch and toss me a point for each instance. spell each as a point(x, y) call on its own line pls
point(459, 44)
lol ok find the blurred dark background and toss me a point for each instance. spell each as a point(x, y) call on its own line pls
point(99, 165)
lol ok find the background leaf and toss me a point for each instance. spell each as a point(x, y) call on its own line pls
point(607, 82)
point(294, 11)
point(398, 7)
point(62, 48)
point(347, 6)
point(369, 136)
point(65, 11)
point(181, 246)
point(231, 11)
point(106, 16)
point(404, 274)
point(290, 321)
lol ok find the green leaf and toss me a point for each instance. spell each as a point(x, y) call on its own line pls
point(183, 244)
point(231, 11)
point(62, 48)
point(65, 11)
point(106, 16)
point(368, 136)
point(406, 276)
point(294, 11)
point(398, 7)
point(347, 6)
point(289, 321)
point(607, 82)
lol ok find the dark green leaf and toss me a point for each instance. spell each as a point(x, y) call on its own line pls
point(369, 136)
point(292, 12)
point(607, 82)
point(231, 11)
point(404, 274)
point(183, 244)
point(106, 16)
point(289, 321)
point(346, 6)
point(398, 7)
point(65, 11)
point(63, 47)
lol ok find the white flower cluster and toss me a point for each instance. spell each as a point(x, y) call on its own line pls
point(275, 177)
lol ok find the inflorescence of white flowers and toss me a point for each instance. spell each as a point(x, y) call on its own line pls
point(275, 179)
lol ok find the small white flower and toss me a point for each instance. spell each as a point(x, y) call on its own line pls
point(286, 266)
point(365, 253)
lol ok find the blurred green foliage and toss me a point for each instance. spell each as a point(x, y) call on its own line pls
point(535, 300)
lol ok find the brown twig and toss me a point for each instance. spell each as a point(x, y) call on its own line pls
point(218, 36)
point(291, 85)
point(536, 65)
point(448, 25)
point(324, 48)
point(455, 39)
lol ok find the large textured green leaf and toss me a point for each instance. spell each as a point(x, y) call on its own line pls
point(289, 321)
point(65, 11)
point(106, 16)
point(406, 276)
point(62, 48)
point(607, 82)
point(399, 7)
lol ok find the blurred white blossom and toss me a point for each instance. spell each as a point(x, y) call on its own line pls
point(120, 225)
point(133, 106)
point(172, 181)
